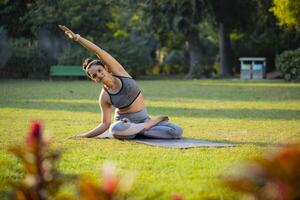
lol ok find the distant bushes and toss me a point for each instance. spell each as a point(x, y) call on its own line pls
point(288, 63)
point(132, 52)
point(175, 62)
point(22, 58)
point(25, 58)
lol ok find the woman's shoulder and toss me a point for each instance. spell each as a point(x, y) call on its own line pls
point(104, 97)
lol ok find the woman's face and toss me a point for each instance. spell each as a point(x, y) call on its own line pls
point(98, 73)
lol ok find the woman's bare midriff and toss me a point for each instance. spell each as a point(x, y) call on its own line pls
point(136, 106)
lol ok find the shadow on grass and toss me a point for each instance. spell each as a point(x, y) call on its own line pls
point(259, 144)
point(226, 92)
point(228, 113)
point(201, 90)
point(254, 114)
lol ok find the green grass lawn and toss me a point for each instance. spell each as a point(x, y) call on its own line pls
point(255, 115)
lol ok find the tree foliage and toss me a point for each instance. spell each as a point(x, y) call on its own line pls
point(288, 63)
point(194, 28)
point(178, 16)
point(12, 17)
point(173, 17)
point(263, 38)
point(287, 13)
point(235, 14)
point(90, 21)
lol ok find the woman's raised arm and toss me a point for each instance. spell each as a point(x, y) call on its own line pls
point(114, 66)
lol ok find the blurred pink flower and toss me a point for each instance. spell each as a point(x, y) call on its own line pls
point(110, 180)
point(34, 134)
point(110, 185)
point(176, 197)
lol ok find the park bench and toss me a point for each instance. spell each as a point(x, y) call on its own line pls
point(66, 71)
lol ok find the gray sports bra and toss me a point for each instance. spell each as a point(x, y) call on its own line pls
point(126, 95)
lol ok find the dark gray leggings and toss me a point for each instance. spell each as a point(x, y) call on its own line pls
point(163, 130)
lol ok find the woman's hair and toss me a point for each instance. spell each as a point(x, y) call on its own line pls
point(88, 62)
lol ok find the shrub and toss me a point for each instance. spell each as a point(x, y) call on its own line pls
point(288, 63)
point(272, 177)
point(4, 46)
point(203, 72)
point(175, 62)
point(24, 58)
point(42, 180)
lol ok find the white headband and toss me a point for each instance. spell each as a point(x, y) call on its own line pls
point(91, 63)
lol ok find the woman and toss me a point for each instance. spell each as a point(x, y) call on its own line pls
point(120, 90)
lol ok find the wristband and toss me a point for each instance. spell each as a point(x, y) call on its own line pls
point(77, 36)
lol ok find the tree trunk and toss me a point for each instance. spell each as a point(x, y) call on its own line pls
point(195, 70)
point(225, 52)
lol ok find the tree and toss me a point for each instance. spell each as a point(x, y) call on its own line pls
point(287, 13)
point(175, 16)
point(11, 17)
point(44, 16)
point(92, 21)
point(230, 15)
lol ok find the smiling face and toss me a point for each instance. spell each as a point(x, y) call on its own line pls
point(99, 74)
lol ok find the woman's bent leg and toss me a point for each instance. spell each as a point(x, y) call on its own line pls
point(124, 130)
point(164, 130)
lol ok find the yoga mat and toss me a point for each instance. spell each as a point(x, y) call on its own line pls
point(182, 143)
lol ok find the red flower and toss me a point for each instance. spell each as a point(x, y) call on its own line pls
point(34, 134)
point(176, 197)
point(110, 185)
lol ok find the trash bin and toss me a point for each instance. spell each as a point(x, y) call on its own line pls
point(246, 70)
point(258, 70)
point(253, 68)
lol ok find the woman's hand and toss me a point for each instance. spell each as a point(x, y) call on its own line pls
point(126, 120)
point(163, 118)
point(69, 33)
point(79, 136)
